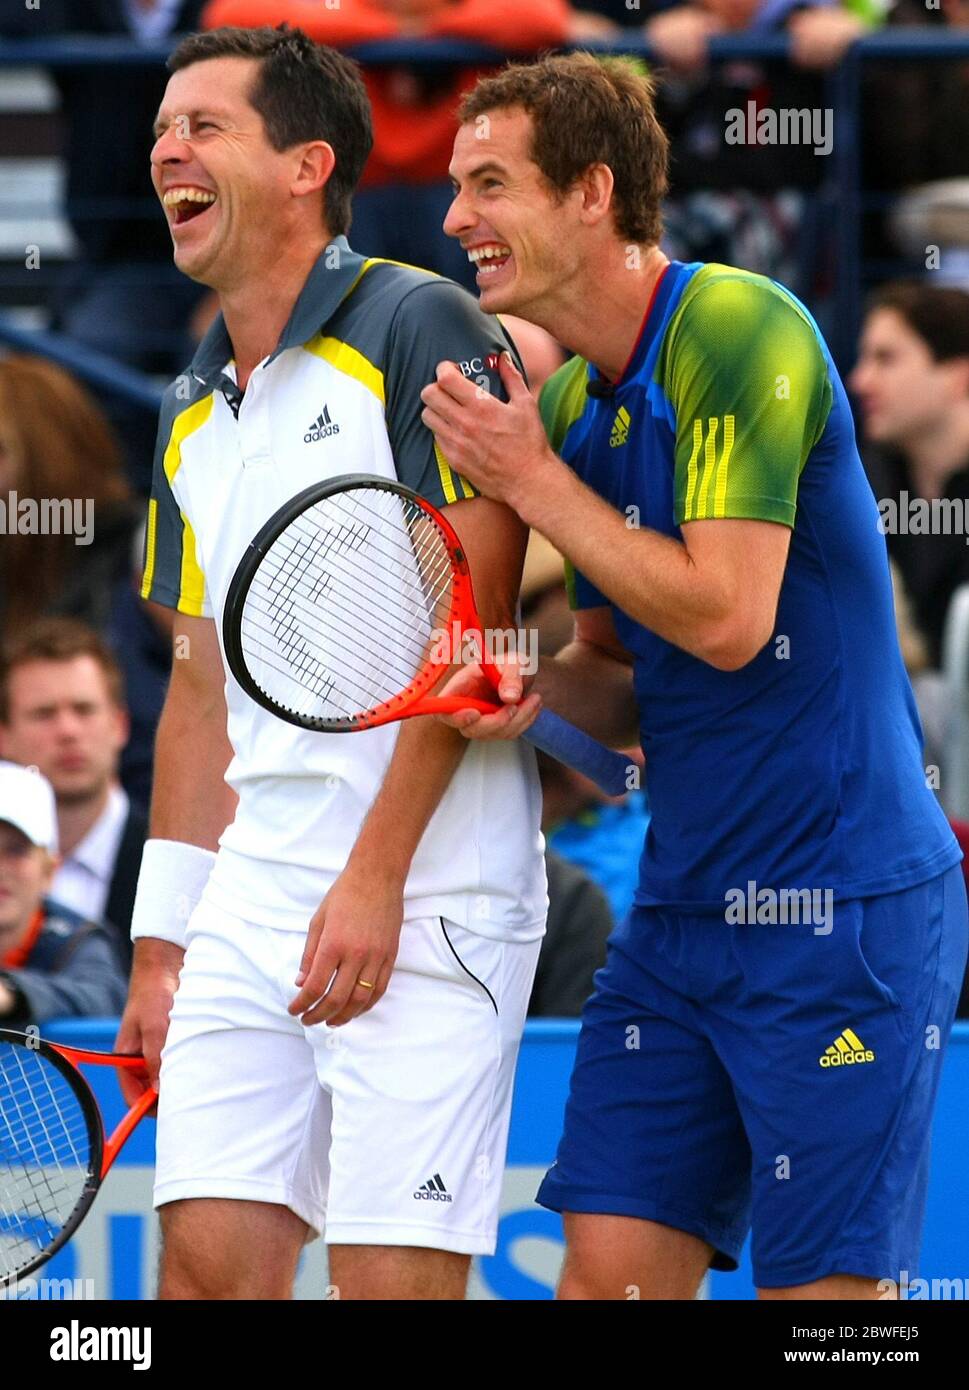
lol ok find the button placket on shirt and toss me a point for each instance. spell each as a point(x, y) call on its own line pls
point(252, 422)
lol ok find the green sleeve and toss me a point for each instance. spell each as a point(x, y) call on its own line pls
point(744, 371)
point(561, 402)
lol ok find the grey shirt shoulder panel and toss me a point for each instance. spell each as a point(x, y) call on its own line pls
point(405, 322)
point(165, 532)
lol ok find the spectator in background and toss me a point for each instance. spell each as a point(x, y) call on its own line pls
point(917, 129)
point(57, 451)
point(62, 711)
point(405, 191)
point(574, 945)
point(122, 295)
point(912, 385)
point(737, 201)
point(56, 446)
point(601, 835)
point(53, 964)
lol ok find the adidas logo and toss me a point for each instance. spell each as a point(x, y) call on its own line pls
point(620, 428)
point(321, 428)
point(433, 1190)
point(846, 1051)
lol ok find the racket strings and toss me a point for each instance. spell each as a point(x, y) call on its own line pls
point(342, 612)
point(288, 629)
point(435, 567)
point(45, 1155)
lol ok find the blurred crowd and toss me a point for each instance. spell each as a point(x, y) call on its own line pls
point(85, 662)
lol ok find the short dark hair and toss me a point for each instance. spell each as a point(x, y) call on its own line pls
point(303, 91)
point(587, 110)
point(57, 639)
point(939, 314)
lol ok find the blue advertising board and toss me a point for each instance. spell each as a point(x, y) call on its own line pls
point(115, 1253)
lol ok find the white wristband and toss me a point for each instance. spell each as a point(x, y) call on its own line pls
point(170, 883)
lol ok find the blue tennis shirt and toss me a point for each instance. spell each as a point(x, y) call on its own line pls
point(803, 770)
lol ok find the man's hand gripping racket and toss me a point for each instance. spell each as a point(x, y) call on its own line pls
point(345, 612)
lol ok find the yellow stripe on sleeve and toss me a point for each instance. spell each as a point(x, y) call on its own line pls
point(191, 598)
point(691, 469)
point(191, 595)
point(185, 424)
point(150, 536)
point(447, 477)
point(720, 493)
point(709, 458)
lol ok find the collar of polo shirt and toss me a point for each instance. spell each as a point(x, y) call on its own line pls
point(334, 275)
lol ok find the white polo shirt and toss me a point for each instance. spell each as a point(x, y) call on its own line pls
point(341, 394)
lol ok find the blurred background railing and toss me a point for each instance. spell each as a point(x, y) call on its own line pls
point(32, 210)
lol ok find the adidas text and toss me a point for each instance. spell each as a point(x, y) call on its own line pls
point(846, 1059)
point(433, 1190)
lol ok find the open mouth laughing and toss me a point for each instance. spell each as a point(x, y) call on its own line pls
point(489, 258)
point(186, 203)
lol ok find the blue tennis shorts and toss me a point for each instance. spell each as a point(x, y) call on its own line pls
point(778, 1078)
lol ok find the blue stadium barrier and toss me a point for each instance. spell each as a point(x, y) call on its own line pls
point(97, 369)
point(116, 1248)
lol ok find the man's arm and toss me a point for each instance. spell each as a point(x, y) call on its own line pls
point(354, 934)
point(191, 804)
point(714, 593)
point(746, 376)
point(191, 801)
point(590, 682)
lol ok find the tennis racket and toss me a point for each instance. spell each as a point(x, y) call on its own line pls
point(346, 610)
point(53, 1151)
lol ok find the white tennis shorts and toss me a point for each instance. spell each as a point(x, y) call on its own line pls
point(390, 1130)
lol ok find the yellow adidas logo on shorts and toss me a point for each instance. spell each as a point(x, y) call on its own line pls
point(846, 1051)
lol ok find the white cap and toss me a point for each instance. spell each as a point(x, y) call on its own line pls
point(27, 802)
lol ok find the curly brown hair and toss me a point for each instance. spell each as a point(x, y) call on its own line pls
point(587, 110)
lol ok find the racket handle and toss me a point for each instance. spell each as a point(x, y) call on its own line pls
point(567, 744)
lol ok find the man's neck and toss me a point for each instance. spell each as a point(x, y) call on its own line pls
point(603, 323)
point(936, 453)
point(76, 818)
point(257, 311)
